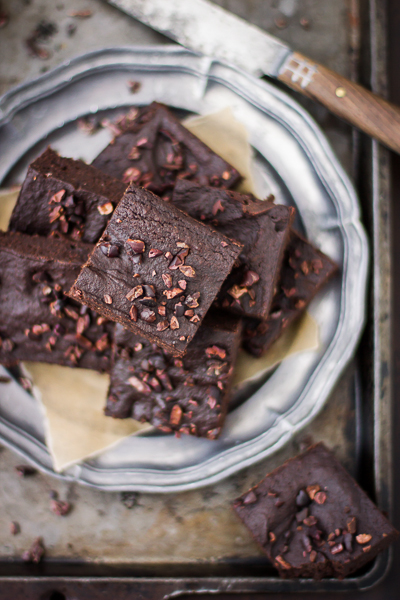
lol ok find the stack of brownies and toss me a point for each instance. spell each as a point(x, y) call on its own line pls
point(145, 265)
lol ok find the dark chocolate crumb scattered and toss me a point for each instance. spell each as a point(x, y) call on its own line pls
point(129, 499)
point(134, 86)
point(25, 470)
point(35, 552)
point(59, 507)
point(14, 528)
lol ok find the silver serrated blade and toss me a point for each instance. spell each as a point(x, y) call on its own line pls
point(211, 30)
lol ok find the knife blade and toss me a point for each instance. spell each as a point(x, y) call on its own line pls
point(209, 29)
point(206, 28)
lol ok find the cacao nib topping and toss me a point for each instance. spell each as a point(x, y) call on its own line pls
point(172, 293)
point(216, 351)
point(282, 563)
point(250, 277)
point(110, 250)
point(135, 246)
point(182, 284)
point(192, 300)
point(136, 259)
point(134, 293)
point(348, 542)
point(106, 209)
point(162, 311)
point(149, 291)
point(56, 213)
point(352, 525)
point(250, 498)
point(102, 343)
point(144, 143)
point(179, 259)
point(162, 325)
point(139, 385)
point(107, 299)
point(337, 548)
point(311, 520)
point(179, 309)
point(131, 174)
point(187, 271)
point(176, 415)
point(57, 197)
point(134, 154)
point(320, 498)
point(306, 543)
point(148, 315)
point(40, 277)
point(302, 499)
point(147, 300)
point(174, 323)
point(363, 538)
point(154, 252)
point(218, 207)
point(133, 313)
point(167, 279)
point(312, 490)
point(237, 292)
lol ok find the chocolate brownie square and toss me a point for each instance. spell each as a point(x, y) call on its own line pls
point(261, 226)
point(185, 395)
point(312, 519)
point(305, 270)
point(155, 270)
point(154, 150)
point(65, 196)
point(37, 322)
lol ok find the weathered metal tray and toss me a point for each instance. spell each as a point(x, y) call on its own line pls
point(103, 550)
point(293, 160)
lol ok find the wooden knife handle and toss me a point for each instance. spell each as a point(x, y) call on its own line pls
point(350, 101)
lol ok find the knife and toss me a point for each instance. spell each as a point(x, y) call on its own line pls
point(213, 31)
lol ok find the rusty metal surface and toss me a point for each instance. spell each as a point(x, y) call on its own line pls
point(184, 541)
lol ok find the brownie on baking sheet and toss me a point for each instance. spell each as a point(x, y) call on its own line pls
point(65, 196)
point(305, 270)
point(155, 270)
point(312, 519)
point(37, 322)
point(185, 395)
point(153, 149)
point(261, 226)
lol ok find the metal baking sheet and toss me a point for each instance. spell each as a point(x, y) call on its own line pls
point(176, 545)
point(292, 159)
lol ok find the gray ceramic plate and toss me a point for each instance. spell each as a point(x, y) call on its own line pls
point(293, 160)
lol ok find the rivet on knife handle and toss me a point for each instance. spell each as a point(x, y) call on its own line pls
point(370, 113)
